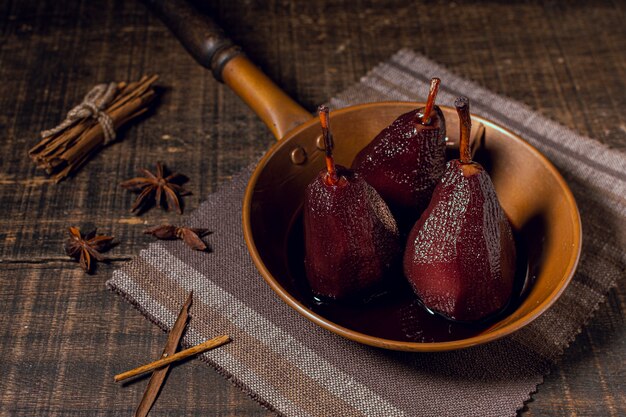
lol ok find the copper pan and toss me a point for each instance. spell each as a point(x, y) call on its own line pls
point(531, 190)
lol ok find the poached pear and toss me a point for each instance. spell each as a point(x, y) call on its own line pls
point(405, 160)
point(351, 238)
point(460, 256)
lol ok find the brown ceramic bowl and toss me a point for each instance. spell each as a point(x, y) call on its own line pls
point(532, 192)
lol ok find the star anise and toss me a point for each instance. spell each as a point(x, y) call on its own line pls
point(157, 189)
point(190, 235)
point(85, 247)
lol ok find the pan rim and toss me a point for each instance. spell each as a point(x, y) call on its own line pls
point(353, 335)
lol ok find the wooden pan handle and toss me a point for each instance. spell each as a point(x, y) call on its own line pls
point(208, 44)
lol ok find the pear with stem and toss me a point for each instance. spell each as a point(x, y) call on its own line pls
point(460, 255)
point(405, 160)
point(351, 238)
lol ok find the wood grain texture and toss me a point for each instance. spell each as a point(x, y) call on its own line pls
point(63, 335)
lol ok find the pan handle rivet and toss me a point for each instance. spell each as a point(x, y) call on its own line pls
point(319, 142)
point(298, 155)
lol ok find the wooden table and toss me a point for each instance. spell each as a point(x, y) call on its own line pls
point(63, 335)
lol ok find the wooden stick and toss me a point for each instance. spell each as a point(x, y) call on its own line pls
point(202, 347)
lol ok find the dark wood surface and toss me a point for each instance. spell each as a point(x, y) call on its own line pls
point(63, 335)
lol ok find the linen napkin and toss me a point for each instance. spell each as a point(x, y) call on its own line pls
point(295, 368)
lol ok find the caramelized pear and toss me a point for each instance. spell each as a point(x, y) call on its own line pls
point(405, 160)
point(351, 238)
point(460, 255)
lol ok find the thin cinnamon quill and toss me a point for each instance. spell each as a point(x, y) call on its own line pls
point(202, 347)
point(158, 377)
point(63, 152)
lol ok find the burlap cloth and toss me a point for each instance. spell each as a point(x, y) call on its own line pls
point(298, 369)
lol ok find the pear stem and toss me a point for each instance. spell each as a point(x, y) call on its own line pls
point(331, 177)
point(462, 105)
point(430, 102)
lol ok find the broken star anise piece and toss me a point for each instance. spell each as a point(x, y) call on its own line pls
point(84, 247)
point(156, 188)
point(190, 235)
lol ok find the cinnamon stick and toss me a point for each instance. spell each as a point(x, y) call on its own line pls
point(63, 153)
point(202, 347)
point(158, 376)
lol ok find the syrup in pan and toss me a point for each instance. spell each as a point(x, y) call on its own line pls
point(395, 312)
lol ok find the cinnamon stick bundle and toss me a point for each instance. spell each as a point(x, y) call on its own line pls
point(63, 152)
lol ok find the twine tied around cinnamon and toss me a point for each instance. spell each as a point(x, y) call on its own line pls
point(91, 125)
point(92, 106)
